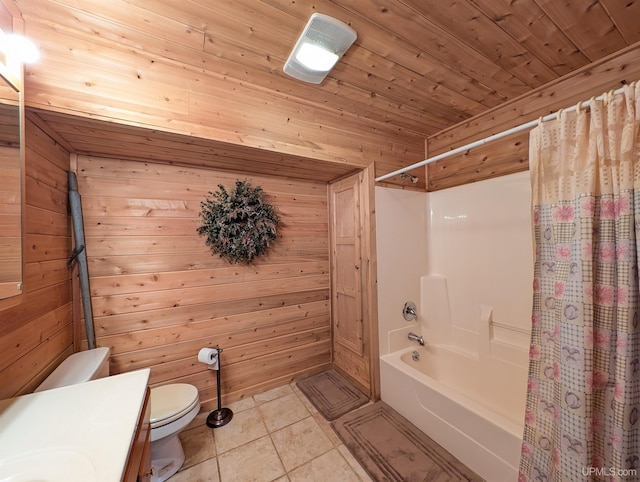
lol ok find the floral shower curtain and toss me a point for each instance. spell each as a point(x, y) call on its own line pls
point(582, 419)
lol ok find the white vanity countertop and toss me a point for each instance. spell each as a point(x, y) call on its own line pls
point(77, 433)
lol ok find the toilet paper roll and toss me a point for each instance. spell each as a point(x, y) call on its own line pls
point(208, 355)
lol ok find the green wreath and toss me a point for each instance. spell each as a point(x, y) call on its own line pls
point(238, 225)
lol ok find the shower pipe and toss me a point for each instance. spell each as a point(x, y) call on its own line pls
point(494, 137)
point(79, 255)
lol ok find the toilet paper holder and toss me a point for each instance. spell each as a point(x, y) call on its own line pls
point(221, 416)
point(209, 356)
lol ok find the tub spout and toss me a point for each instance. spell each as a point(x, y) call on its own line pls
point(414, 337)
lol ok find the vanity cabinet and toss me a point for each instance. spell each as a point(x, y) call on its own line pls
point(139, 463)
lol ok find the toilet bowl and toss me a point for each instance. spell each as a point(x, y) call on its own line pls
point(173, 407)
point(78, 368)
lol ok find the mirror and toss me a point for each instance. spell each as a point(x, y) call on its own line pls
point(10, 191)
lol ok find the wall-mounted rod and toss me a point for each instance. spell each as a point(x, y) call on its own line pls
point(486, 140)
point(80, 255)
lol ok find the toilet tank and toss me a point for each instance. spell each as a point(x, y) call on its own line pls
point(78, 368)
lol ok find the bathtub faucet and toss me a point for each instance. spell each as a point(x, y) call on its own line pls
point(414, 337)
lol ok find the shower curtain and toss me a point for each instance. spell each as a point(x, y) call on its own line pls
point(582, 419)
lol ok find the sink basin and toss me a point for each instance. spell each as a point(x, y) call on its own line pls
point(51, 465)
point(77, 433)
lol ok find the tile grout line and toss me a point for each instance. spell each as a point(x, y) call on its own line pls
point(286, 471)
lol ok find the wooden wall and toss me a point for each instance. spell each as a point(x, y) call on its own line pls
point(36, 331)
point(159, 295)
point(510, 154)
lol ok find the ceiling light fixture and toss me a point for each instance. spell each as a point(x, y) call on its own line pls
point(19, 47)
point(322, 42)
point(316, 58)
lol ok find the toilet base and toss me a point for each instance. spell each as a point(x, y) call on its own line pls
point(167, 457)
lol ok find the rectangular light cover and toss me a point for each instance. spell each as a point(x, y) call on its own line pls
point(323, 41)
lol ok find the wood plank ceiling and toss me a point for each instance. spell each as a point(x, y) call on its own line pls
point(417, 67)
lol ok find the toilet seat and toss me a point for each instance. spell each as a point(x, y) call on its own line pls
point(171, 402)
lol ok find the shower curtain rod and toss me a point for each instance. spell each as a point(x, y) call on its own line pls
point(491, 138)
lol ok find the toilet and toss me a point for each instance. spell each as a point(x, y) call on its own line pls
point(173, 407)
point(78, 368)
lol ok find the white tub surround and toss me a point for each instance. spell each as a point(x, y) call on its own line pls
point(479, 239)
point(401, 235)
point(490, 337)
point(78, 433)
point(464, 255)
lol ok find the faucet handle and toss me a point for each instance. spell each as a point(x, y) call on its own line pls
point(409, 311)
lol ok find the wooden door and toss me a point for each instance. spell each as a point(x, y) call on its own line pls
point(354, 324)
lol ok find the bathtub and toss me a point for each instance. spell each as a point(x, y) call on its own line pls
point(471, 406)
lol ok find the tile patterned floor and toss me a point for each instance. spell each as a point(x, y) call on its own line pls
point(274, 436)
